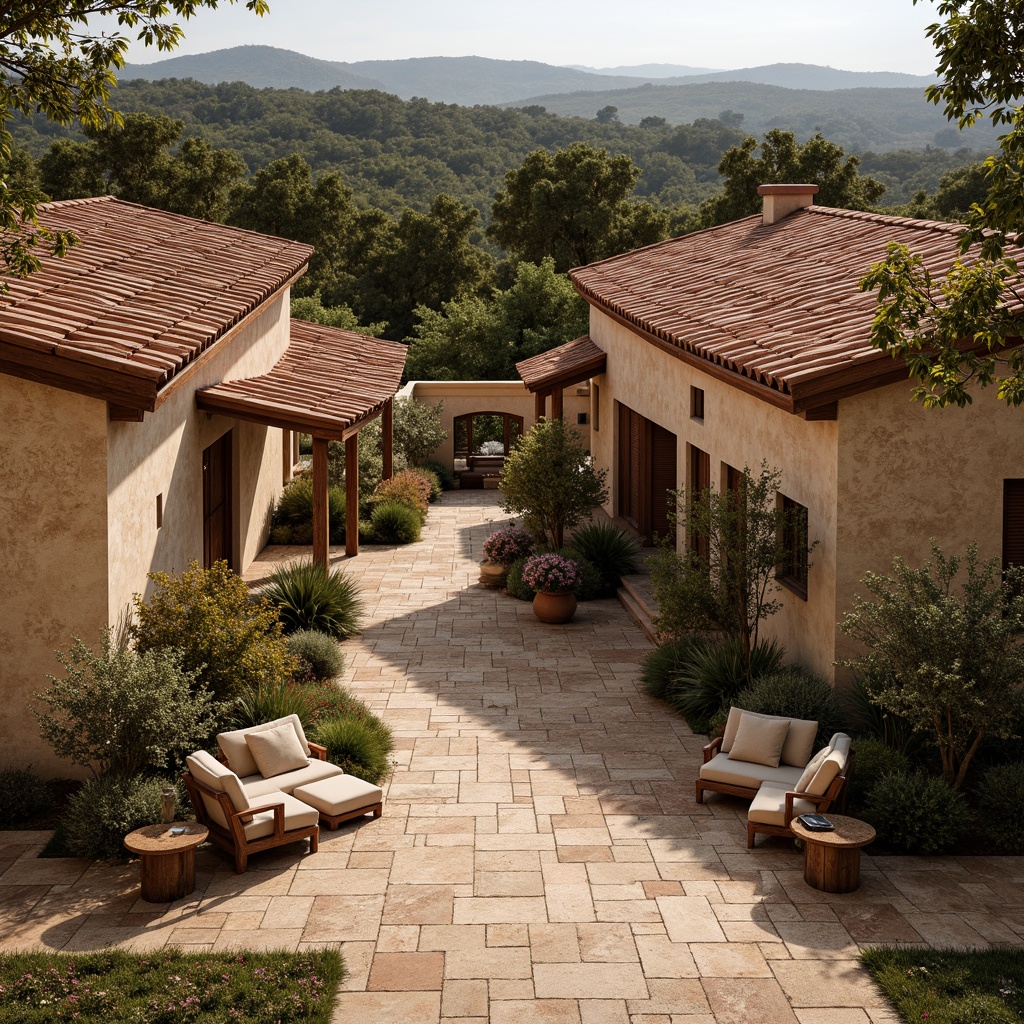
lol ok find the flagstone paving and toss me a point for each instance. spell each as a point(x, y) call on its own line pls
point(540, 857)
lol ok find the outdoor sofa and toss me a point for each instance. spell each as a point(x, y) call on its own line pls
point(767, 760)
point(271, 786)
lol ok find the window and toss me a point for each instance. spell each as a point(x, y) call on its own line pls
point(792, 571)
point(595, 407)
point(700, 481)
point(1013, 523)
point(159, 511)
point(697, 403)
point(582, 418)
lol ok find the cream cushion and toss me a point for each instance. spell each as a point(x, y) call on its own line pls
point(276, 751)
point(744, 773)
point(799, 743)
point(339, 794)
point(256, 785)
point(759, 740)
point(296, 815)
point(832, 765)
point(769, 805)
point(236, 751)
point(812, 767)
point(209, 772)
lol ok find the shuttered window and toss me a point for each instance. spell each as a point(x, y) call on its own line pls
point(1013, 523)
point(700, 481)
point(792, 571)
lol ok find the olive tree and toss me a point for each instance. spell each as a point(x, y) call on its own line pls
point(945, 650)
point(549, 478)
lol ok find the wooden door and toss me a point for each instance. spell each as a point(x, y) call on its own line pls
point(631, 467)
point(1013, 523)
point(662, 479)
point(647, 470)
point(217, 534)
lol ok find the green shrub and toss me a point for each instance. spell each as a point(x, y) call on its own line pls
point(514, 585)
point(105, 810)
point(359, 746)
point(123, 712)
point(869, 720)
point(306, 595)
point(916, 813)
point(873, 761)
point(444, 473)
point(795, 693)
point(275, 700)
point(231, 641)
point(613, 553)
point(592, 584)
point(23, 795)
point(394, 522)
point(294, 510)
point(319, 653)
point(280, 535)
point(1001, 807)
point(433, 479)
point(658, 669)
point(712, 678)
point(329, 700)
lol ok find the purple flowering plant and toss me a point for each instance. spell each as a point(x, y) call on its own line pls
point(508, 544)
point(551, 574)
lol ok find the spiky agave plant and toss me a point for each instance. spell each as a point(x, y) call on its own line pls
point(309, 596)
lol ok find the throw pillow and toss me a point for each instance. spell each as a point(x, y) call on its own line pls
point(759, 740)
point(276, 751)
point(811, 770)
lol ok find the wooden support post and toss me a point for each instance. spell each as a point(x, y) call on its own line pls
point(387, 424)
point(538, 406)
point(286, 456)
point(352, 495)
point(556, 404)
point(321, 521)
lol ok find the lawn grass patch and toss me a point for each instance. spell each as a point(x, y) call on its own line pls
point(947, 986)
point(169, 987)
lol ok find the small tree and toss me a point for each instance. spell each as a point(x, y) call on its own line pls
point(726, 578)
point(945, 651)
point(232, 642)
point(117, 711)
point(550, 479)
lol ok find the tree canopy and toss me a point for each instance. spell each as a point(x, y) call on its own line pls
point(52, 62)
point(574, 207)
point(952, 330)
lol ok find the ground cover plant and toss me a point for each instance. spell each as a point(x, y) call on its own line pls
point(169, 987)
point(941, 986)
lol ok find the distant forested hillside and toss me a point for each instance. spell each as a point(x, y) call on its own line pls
point(396, 154)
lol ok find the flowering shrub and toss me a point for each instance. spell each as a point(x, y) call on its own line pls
point(504, 546)
point(492, 448)
point(551, 574)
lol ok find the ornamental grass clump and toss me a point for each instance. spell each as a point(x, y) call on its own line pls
point(508, 544)
point(551, 574)
point(307, 595)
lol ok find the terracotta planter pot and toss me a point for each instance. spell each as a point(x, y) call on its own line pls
point(493, 574)
point(554, 608)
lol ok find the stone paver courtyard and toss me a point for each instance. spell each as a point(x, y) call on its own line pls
point(541, 857)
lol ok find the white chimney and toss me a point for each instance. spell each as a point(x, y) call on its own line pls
point(782, 200)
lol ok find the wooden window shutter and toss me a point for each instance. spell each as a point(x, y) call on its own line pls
point(1013, 523)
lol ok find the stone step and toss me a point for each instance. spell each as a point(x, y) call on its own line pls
point(632, 598)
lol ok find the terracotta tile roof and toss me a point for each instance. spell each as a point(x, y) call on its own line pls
point(568, 364)
point(326, 381)
point(776, 309)
point(139, 298)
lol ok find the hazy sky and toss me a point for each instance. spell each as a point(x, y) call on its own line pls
point(858, 35)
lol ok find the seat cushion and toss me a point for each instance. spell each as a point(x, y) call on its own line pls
point(236, 751)
point(276, 751)
point(255, 785)
point(759, 740)
point(743, 773)
point(769, 805)
point(796, 751)
point(296, 815)
point(339, 794)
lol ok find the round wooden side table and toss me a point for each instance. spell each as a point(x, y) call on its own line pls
point(168, 862)
point(832, 859)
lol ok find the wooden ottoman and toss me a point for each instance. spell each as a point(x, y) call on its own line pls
point(340, 798)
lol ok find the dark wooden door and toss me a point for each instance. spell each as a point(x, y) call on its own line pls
point(1013, 523)
point(647, 471)
point(217, 502)
point(631, 467)
point(662, 479)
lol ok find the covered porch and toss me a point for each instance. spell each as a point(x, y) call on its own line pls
point(549, 373)
point(329, 383)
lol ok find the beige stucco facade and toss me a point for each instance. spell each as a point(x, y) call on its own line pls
point(880, 480)
point(78, 510)
point(460, 397)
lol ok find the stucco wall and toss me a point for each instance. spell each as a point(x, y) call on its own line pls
point(907, 474)
point(738, 430)
point(163, 456)
point(53, 537)
point(511, 396)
